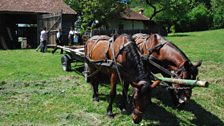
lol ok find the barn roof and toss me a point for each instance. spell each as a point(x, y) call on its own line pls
point(35, 6)
point(132, 15)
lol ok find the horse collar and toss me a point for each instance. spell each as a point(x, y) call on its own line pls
point(122, 48)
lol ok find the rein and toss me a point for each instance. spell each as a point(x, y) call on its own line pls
point(115, 62)
point(162, 68)
point(150, 51)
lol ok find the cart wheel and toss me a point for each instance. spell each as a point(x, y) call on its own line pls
point(65, 63)
point(86, 71)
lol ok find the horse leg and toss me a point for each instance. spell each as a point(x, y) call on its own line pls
point(94, 83)
point(95, 91)
point(124, 97)
point(113, 79)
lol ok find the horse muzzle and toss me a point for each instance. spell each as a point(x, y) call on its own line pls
point(182, 100)
point(137, 116)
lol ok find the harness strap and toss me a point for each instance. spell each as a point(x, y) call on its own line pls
point(121, 48)
point(116, 64)
point(159, 46)
point(162, 68)
point(114, 60)
point(150, 51)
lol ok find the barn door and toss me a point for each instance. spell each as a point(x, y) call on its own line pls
point(52, 22)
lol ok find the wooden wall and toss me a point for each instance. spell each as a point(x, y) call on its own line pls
point(54, 22)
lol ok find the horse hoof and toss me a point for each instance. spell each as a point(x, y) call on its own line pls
point(110, 114)
point(124, 111)
point(96, 99)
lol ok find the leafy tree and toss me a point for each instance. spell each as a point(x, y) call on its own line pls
point(200, 18)
point(92, 10)
point(218, 13)
point(169, 12)
point(170, 7)
point(196, 19)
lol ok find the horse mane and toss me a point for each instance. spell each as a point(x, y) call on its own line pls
point(172, 45)
point(178, 50)
point(134, 59)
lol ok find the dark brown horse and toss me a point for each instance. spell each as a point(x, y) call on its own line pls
point(167, 55)
point(118, 59)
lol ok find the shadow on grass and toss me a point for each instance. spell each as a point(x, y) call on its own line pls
point(151, 113)
point(160, 115)
point(78, 68)
point(157, 113)
point(203, 116)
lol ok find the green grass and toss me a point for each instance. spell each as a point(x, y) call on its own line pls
point(35, 91)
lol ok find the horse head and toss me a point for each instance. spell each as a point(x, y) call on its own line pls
point(167, 55)
point(187, 71)
point(180, 64)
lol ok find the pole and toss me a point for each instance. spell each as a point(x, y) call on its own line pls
point(185, 82)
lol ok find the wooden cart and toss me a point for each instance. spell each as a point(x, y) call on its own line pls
point(73, 54)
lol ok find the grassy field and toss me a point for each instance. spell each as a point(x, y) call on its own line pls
point(35, 91)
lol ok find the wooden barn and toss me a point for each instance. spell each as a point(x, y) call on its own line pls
point(21, 21)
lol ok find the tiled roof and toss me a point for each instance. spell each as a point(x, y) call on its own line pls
point(132, 15)
point(35, 6)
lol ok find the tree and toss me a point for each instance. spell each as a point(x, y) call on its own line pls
point(218, 13)
point(199, 18)
point(92, 10)
point(170, 6)
point(169, 12)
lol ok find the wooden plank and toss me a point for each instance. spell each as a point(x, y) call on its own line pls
point(78, 51)
point(53, 15)
point(49, 17)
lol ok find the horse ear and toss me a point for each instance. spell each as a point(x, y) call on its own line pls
point(197, 64)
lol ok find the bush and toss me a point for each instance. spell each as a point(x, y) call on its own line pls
point(218, 13)
point(199, 18)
